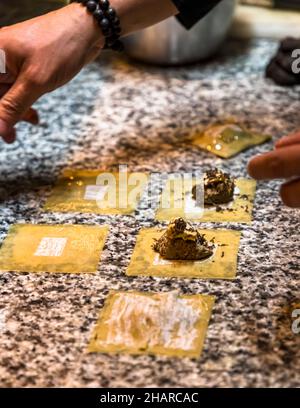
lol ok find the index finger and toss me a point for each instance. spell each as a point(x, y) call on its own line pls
point(279, 164)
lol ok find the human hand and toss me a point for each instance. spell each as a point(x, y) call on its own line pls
point(43, 54)
point(282, 163)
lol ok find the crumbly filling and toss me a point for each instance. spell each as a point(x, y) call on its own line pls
point(182, 242)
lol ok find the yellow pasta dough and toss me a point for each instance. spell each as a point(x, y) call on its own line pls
point(152, 323)
point(221, 265)
point(97, 192)
point(52, 248)
point(239, 210)
point(228, 139)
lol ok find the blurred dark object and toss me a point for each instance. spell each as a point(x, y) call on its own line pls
point(284, 4)
point(14, 11)
point(280, 69)
point(289, 4)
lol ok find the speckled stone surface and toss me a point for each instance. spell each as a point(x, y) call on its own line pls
point(119, 112)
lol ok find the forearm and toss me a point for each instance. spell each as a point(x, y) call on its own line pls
point(134, 14)
point(138, 14)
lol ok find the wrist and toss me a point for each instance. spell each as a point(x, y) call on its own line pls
point(108, 21)
point(87, 23)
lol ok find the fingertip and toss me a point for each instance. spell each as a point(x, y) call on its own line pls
point(7, 132)
point(286, 196)
point(289, 193)
point(268, 166)
point(10, 138)
point(251, 167)
point(5, 129)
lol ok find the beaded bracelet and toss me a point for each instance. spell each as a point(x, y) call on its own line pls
point(108, 21)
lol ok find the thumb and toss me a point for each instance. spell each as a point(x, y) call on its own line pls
point(288, 140)
point(14, 105)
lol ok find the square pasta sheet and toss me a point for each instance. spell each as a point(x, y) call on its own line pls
point(174, 206)
point(228, 139)
point(152, 323)
point(97, 192)
point(221, 265)
point(52, 248)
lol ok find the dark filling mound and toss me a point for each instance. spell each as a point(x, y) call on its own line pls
point(218, 188)
point(183, 243)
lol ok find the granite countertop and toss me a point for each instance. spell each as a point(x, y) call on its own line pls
point(119, 112)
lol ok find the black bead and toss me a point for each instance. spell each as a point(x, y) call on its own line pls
point(104, 24)
point(106, 33)
point(111, 13)
point(108, 21)
point(116, 21)
point(91, 5)
point(104, 4)
point(98, 14)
